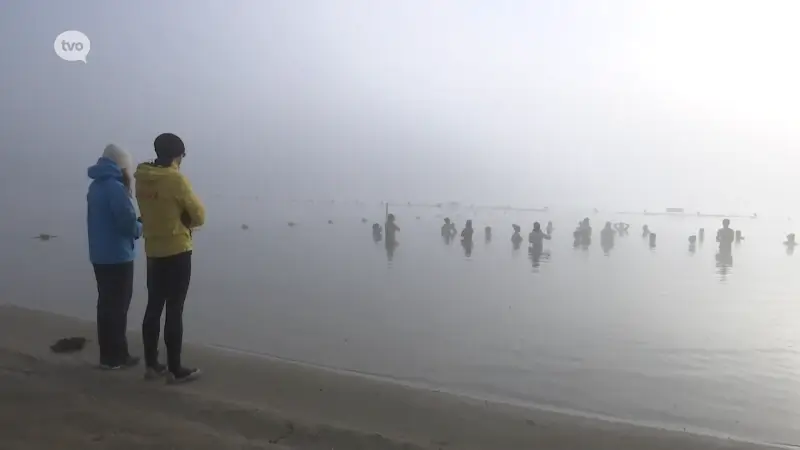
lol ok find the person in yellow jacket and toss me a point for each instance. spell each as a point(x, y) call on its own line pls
point(169, 211)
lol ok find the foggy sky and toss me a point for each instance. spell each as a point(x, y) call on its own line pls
point(610, 104)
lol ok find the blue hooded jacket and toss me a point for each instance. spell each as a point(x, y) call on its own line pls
point(110, 217)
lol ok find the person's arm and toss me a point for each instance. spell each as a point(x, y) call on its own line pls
point(194, 213)
point(123, 211)
point(547, 236)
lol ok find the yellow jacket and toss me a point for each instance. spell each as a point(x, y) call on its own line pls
point(169, 210)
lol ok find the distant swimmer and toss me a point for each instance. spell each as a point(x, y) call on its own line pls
point(377, 232)
point(585, 233)
point(467, 232)
point(516, 238)
point(536, 238)
point(391, 229)
point(645, 231)
point(622, 228)
point(448, 230)
point(725, 237)
point(738, 236)
point(607, 237)
point(549, 229)
point(466, 238)
point(488, 234)
point(790, 244)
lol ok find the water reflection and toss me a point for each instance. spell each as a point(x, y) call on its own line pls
point(724, 264)
point(467, 245)
point(391, 246)
point(537, 256)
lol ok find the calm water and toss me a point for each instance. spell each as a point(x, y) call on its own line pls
point(660, 336)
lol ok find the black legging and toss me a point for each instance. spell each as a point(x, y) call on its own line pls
point(167, 285)
point(114, 292)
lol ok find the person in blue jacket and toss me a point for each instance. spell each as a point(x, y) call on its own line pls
point(113, 228)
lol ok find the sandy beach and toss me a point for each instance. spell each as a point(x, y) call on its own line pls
point(50, 401)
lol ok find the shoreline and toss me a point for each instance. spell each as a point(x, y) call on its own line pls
point(247, 400)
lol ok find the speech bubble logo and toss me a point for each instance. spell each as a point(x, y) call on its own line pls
point(72, 45)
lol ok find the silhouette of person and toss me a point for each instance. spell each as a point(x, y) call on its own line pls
point(516, 238)
point(645, 231)
point(692, 243)
point(391, 230)
point(738, 236)
point(585, 233)
point(607, 238)
point(488, 234)
point(725, 237)
point(549, 229)
point(466, 238)
point(448, 230)
point(701, 235)
point(377, 232)
point(622, 228)
point(536, 239)
point(790, 243)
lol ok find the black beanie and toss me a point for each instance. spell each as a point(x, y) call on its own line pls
point(169, 146)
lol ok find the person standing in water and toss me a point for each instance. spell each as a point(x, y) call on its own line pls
point(391, 230)
point(377, 232)
point(585, 233)
point(536, 238)
point(516, 238)
point(113, 229)
point(607, 237)
point(170, 210)
point(487, 234)
point(448, 230)
point(725, 237)
point(467, 232)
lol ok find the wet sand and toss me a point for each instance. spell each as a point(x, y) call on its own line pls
point(50, 401)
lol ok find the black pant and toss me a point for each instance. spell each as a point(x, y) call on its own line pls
point(167, 285)
point(114, 293)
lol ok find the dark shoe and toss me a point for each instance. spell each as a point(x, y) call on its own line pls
point(155, 371)
point(110, 366)
point(183, 375)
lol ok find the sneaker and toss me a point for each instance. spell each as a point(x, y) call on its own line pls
point(110, 366)
point(183, 375)
point(155, 371)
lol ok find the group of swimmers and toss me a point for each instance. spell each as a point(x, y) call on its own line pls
point(582, 235)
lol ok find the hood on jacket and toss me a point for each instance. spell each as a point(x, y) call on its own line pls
point(119, 156)
point(149, 171)
point(105, 168)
